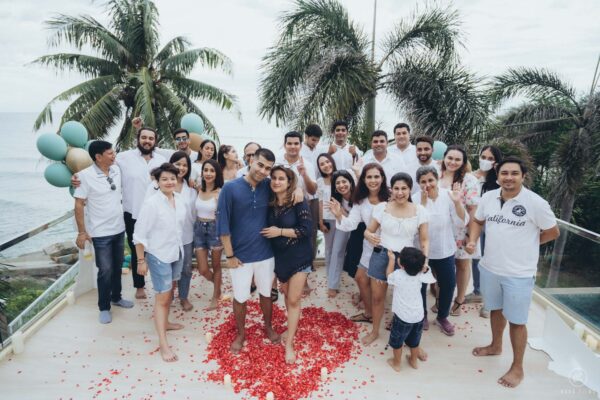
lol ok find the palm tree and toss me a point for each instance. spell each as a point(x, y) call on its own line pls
point(129, 75)
point(554, 103)
point(322, 67)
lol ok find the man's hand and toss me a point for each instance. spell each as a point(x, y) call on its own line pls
point(471, 247)
point(301, 167)
point(75, 182)
point(81, 239)
point(271, 232)
point(137, 123)
point(298, 196)
point(233, 262)
point(352, 150)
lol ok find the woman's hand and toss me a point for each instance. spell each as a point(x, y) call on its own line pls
point(372, 238)
point(271, 232)
point(322, 227)
point(335, 207)
point(455, 194)
point(142, 267)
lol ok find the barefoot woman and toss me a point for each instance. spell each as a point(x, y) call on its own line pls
point(290, 229)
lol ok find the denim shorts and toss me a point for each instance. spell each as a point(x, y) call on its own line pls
point(205, 235)
point(378, 264)
point(405, 333)
point(163, 274)
point(510, 294)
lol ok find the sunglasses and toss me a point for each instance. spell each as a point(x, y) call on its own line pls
point(112, 183)
point(181, 139)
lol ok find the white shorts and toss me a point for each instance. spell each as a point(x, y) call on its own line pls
point(241, 279)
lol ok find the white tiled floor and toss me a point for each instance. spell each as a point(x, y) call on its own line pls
point(72, 356)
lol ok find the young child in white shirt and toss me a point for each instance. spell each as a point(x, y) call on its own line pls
point(406, 272)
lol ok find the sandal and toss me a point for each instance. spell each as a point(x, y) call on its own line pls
point(435, 307)
point(274, 294)
point(361, 318)
point(456, 309)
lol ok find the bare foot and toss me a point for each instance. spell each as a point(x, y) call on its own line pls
point(290, 355)
point(237, 344)
point(140, 293)
point(361, 305)
point(422, 355)
point(186, 305)
point(284, 335)
point(273, 336)
point(370, 338)
point(486, 351)
point(512, 378)
point(214, 303)
point(331, 293)
point(412, 361)
point(393, 364)
point(167, 355)
point(173, 326)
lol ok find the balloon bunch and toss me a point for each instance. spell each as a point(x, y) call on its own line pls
point(439, 148)
point(194, 124)
point(69, 149)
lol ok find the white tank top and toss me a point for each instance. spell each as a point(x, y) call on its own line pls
point(205, 209)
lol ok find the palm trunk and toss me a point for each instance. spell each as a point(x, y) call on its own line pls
point(566, 211)
point(370, 117)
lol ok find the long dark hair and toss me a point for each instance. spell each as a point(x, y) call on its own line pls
point(459, 175)
point(342, 174)
point(218, 175)
point(202, 145)
point(491, 176)
point(362, 191)
point(331, 160)
point(404, 177)
point(224, 149)
point(178, 155)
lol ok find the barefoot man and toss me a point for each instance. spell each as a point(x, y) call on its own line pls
point(241, 215)
point(516, 222)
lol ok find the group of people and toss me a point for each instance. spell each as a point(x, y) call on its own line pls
point(392, 215)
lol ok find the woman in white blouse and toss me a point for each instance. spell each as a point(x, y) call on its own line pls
point(400, 221)
point(446, 216)
point(159, 246)
point(371, 190)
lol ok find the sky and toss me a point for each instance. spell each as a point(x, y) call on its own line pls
point(560, 35)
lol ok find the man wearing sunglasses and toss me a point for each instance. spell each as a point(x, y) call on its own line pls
point(99, 192)
point(182, 142)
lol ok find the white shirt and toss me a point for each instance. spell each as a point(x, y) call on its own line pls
point(412, 168)
point(408, 155)
point(104, 212)
point(398, 233)
point(241, 172)
point(407, 302)
point(135, 177)
point(188, 195)
point(512, 233)
point(342, 157)
point(391, 164)
point(310, 171)
point(442, 218)
point(324, 195)
point(159, 226)
point(361, 212)
point(167, 153)
point(196, 172)
point(311, 155)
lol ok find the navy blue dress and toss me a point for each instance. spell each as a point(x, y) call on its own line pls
point(291, 254)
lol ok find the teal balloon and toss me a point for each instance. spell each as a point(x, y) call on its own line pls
point(58, 175)
point(439, 148)
point(193, 123)
point(87, 145)
point(74, 133)
point(52, 146)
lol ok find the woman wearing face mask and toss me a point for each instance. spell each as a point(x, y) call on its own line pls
point(159, 246)
point(371, 190)
point(290, 231)
point(445, 213)
point(400, 221)
point(454, 171)
point(342, 188)
point(207, 152)
point(489, 157)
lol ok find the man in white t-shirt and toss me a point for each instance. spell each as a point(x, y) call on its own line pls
point(379, 154)
point(100, 194)
point(403, 148)
point(517, 221)
point(182, 140)
point(344, 154)
point(310, 152)
point(424, 149)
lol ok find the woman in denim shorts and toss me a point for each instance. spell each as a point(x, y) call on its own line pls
point(205, 228)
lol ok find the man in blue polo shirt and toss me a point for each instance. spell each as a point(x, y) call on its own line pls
point(517, 221)
point(241, 215)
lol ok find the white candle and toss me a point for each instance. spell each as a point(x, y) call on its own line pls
point(270, 396)
point(209, 337)
point(324, 373)
point(591, 342)
point(227, 379)
point(579, 329)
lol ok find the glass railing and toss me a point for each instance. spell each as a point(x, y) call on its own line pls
point(569, 274)
point(35, 269)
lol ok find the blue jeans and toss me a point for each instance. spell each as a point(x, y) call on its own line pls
point(186, 272)
point(109, 251)
point(163, 274)
point(475, 266)
point(445, 273)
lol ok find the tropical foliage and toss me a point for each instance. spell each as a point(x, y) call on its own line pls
point(129, 74)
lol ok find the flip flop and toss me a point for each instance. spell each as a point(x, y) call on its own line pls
point(361, 318)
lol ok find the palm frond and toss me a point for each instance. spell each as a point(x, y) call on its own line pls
point(142, 35)
point(184, 62)
point(169, 101)
point(144, 98)
point(84, 64)
point(174, 46)
point(200, 90)
point(104, 114)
